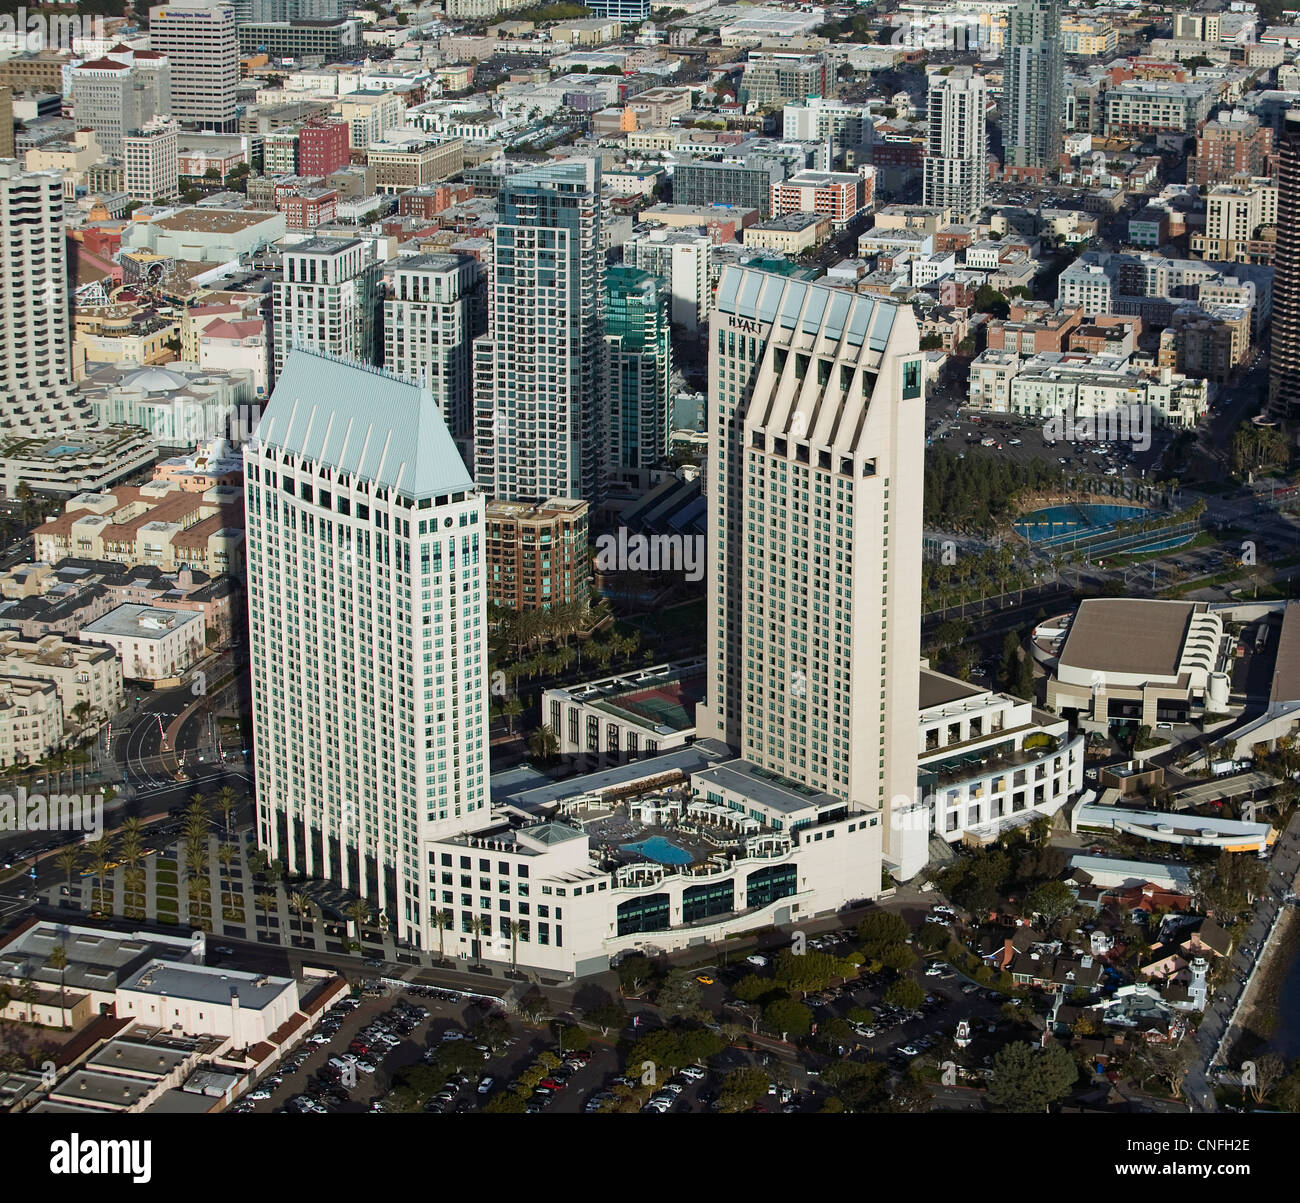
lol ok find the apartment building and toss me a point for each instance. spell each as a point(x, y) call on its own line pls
point(150, 162)
point(956, 151)
point(153, 644)
point(437, 307)
point(682, 258)
point(88, 677)
point(414, 163)
point(538, 556)
point(327, 298)
point(838, 195)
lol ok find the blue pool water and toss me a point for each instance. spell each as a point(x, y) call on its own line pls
point(1061, 523)
point(659, 849)
point(65, 449)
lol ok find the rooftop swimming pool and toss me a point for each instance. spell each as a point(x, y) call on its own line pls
point(656, 848)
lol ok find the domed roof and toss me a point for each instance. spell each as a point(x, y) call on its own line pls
point(155, 380)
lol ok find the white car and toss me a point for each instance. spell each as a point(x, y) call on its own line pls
point(759, 962)
point(934, 971)
point(453, 1034)
point(262, 1092)
point(673, 1088)
point(693, 1073)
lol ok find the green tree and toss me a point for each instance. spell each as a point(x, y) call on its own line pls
point(741, 1089)
point(905, 993)
point(879, 929)
point(1053, 900)
point(790, 1018)
point(1029, 1079)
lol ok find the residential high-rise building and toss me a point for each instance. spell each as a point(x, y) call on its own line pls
point(327, 298)
point(639, 362)
point(437, 308)
point(539, 375)
point(35, 348)
point(1033, 81)
point(367, 634)
point(816, 448)
point(200, 41)
point(122, 91)
point(150, 162)
point(1284, 347)
point(683, 260)
point(956, 151)
point(538, 556)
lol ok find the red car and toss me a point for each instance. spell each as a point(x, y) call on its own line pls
point(551, 1084)
point(360, 1047)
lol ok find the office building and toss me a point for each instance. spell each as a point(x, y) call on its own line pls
point(322, 148)
point(437, 308)
point(199, 39)
point(540, 413)
point(639, 362)
point(150, 171)
point(327, 298)
point(123, 91)
point(35, 347)
point(734, 184)
point(682, 258)
point(538, 556)
point(816, 447)
point(1033, 82)
point(327, 40)
point(956, 150)
point(367, 632)
point(628, 11)
point(1284, 347)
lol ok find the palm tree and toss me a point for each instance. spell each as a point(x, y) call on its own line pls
point(226, 802)
point(226, 855)
point(68, 858)
point(265, 900)
point(359, 912)
point(478, 926)
point(300, 904)
point(515, 928)
point(442, 921)
point(101, 853)
point(512, 708)
point(59, 960)
point(543, 744)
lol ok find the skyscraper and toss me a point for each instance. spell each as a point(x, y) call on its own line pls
point(956, 150)
point(814, 482)
point(327, 298)
point(200, 41)
point(437, 309)
point(367, 633)
point(639, 362)
point(540, 414)
point(35, 359)
point(1284, 346)
point(1033, 81)
point(122, 91)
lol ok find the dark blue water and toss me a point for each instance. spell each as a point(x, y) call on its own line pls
point(1286, 1039)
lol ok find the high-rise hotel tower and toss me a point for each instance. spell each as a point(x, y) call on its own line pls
point(367, 621)
point(814, 481)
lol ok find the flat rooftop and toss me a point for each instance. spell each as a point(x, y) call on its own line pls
point(773, 791)
point(141, 622)
point(201, 983)
point(214, 221)
point(1128, 635)
point(939, 689)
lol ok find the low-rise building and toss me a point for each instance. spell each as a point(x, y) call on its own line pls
point(87, 677)
point(31, 720)
point(988, 761)
point(86, 459)
point(153, 644)
point(839, 195)
point(791, 234)
point(159, 523)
